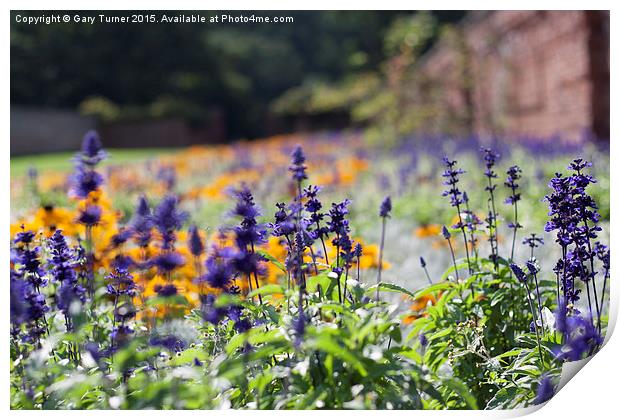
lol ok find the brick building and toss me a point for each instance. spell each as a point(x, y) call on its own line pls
point(534, 73)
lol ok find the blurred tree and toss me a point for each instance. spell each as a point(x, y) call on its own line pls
point(154, 70)
point(390, 99)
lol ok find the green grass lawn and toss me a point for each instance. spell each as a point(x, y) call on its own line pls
point(62, 161)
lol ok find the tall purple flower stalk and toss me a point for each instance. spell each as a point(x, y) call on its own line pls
point(302, 238)
point(122, 288)
point(533, 269)
point(451, 175)
point(167, 218)
point(384, 213)
point(284, 227)
point(490, 157)
point(248, 234)
point(560, 212)
point(339, 225)
point(69, 291)
point(196, 247)
point(423, 265)
point(358, 251)
point(141, 223)
point(62, 270)
point(219, 271)
point(27, 282)
point(28, 305)
point(574, 217)
point(84, 181)
point(298, 173)
point(313, 206)
point(584, 234)
point(514, 174)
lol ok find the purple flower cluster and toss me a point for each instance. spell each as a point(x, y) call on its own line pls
point(28, 305)
point(90, 215)
point(514, 174)
point(85, 180)
point(451, 175)
point(298, 167)
point(581, 336)
point(167, 219)
point(284, 223)
point(166, 290)
point(386, 207)
point(169, 342)
point(574, 218)
point(167, 261)
point(62, 270)
point(248, 235)
point(92, 150)
point(338, 222)
point(141, 224)
point(121, 284)
point(219, 271)
point(545, 390)
point(194, 242)
point(315, 219)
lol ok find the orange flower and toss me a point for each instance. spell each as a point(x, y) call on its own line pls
point(426, 231)
point(419, 307)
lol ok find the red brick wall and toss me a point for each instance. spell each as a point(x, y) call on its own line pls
point(537, 73)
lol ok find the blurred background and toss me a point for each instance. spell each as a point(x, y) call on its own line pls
point(386, 74)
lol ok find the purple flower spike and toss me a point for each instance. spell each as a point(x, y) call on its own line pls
point(194, 242)
point(90, 216)
point(92, 150)
point(545, 390)
point(519, 273)
point(386, 207)
point(167, 218)
point(445, 232)
point(297, 168)
point(142, 222)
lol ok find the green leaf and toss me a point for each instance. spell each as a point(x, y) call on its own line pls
point(188, 356)
point(327, 344)
point(440, 334)
point(502, 398)
point(461, 390)
point(509, 353)
point(272, 259)
point(167, 300)
point(266, 290)
point(328, 285)
point(434, 288)
point(389, 287)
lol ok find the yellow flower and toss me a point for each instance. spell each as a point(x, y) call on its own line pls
point(370, 257)
point(47, 219)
